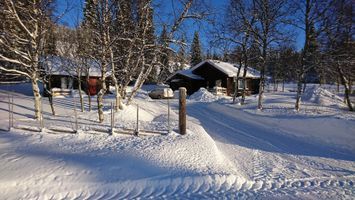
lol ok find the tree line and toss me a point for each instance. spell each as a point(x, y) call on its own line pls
point(117, 35)
point(120, 37)
point(262, 34)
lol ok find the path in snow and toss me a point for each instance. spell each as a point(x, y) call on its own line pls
point(268, 153)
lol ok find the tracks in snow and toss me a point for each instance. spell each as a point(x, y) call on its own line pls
point(208, 186)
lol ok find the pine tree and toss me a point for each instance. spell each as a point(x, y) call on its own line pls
point(196, 52)
point(311, 57)
point(181, 55)
point(164, 56)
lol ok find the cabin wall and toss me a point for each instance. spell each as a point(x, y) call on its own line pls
point(211, 75)
point(254, 86)
point(230, 86)
point(93, 86)
point(191, 85)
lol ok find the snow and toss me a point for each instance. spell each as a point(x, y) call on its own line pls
point(229, 69)
point(231, 151)
point(203, 95)
point(188, 73)
point(322, 96)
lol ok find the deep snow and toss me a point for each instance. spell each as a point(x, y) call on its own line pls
point(230, 151)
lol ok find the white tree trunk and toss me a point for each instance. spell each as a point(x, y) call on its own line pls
point(236, 85)
point(80, 93)
point(100, 102)
point(37, 98)
point(347, 91)
point(299, 92)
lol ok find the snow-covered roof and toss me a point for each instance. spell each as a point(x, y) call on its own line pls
point(229, 69)
point(57, 65)
point(187, 73)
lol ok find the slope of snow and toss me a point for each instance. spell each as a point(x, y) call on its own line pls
point(231, 151)
point(203, 95)
point(322, 97)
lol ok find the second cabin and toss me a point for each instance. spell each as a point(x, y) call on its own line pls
point(216, 76)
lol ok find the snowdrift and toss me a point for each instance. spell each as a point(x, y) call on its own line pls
point(321, 96)
point(203, 95)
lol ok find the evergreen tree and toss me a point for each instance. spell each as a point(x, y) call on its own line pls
point(181, 55)
point(311, 57)
point(164, 56)
point(51, 39)
point(196, 52)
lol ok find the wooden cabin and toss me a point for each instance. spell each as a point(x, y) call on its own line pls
point(63, 76)
point(216, 76)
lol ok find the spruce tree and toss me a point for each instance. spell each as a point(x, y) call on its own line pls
point(311, 57)
point(196, 55)
point(164, 56)
point(181, 55)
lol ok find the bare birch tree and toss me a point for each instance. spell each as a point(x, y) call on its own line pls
point(340, 45)
point(312, 12)
point(186, 12)
point(270, 16)
point(23, 40)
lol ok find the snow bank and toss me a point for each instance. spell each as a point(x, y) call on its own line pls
point(203, 95)
point(322, 96)
point(129, 113)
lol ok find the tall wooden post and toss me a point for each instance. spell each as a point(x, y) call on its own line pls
point(10, 113)
point(12, 110)
point(169, 128)
point(182, 110)
point(42, 122)
point(112, 117)
point(136, 132)
point(75, 115)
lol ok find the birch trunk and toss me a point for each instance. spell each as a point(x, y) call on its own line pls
point(244, 86)
point(299, 92)
point(136, 86)
point(88, 87)
point(118, 104)
point(141, 78)
point(236, 86)
point(100, 95)
point(80, 92)
point(100, 102)
point(345, 83)
point(50, 97)
point(37, 98)
point(262, 77)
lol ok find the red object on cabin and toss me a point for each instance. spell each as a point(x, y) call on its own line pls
point(93, 82)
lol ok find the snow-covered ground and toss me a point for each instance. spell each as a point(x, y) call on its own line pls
point(230, 151)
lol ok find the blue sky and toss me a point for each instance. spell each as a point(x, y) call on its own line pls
point(163, 13)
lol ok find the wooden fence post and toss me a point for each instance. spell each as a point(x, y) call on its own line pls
point(75, 115)
point(12, 111)
point(136, 132)
point(9, 113)
point(169, 128)
point(112, 117)
point(42, 118)
point(182, 110)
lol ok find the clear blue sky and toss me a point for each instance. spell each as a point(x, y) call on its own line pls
point(73, 15)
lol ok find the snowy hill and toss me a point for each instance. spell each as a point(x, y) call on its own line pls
point(230, 151)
